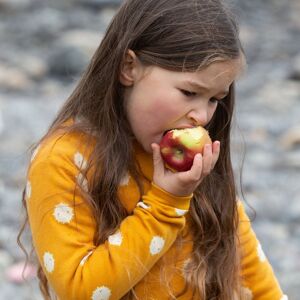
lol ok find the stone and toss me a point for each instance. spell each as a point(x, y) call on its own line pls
point(20, 272)
point(66, 61)
point(279, 95)
point(85, 40)
point(106, 15)
point(33, 66)
point(289, 160)
point(5, 259)
point(13, 79)
point(291, 138)
point(99, 4)
point(1, 122)
point(13, 5)
point(295, 70)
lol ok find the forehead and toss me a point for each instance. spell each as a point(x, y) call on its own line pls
point(217, 73)
point(221, 69)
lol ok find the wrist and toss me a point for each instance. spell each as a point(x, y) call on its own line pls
point(170, 197)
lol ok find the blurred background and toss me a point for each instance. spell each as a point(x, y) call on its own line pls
point(44, 47)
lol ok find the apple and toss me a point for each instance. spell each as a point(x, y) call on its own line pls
point(179, 146)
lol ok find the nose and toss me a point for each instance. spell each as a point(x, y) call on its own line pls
point(198, 117)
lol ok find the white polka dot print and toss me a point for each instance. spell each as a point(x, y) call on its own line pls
point(82, 181)
point(261, 253)
point(35, 152)
point(101, 293)
point(28, 190)
point(156, 245)
point(247, 293)
point(79, 161)
point(63, 213)
point(82, 262)
point(143, 205)
point(49, 262)
point(125, 180)
point(116, 239)
point(284, 297)
point(180, 212)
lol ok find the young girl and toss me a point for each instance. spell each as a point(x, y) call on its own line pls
point(108, 220)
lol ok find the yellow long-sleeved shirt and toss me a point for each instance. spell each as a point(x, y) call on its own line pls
point(63, 229)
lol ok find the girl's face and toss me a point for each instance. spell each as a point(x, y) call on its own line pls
point(157, 99)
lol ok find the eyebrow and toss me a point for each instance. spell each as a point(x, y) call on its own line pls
point(202, 87)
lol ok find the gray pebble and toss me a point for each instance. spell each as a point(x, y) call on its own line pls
point(67, 62)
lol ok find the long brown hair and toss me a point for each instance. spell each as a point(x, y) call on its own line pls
point(181, 36)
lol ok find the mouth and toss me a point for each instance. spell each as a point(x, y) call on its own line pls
point(178, 128)
point(167, 131)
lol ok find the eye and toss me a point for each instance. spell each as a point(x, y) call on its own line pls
point(214, 100)
point(188, 93)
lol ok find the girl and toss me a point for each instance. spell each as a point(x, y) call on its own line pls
point(108, 221)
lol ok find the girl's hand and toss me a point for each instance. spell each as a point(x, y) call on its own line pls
point(184, 183)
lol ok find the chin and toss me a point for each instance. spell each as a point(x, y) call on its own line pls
point(145, 146)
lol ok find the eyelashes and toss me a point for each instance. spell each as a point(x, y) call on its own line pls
point(188, 93)
point(193, 94)
point(215, 100)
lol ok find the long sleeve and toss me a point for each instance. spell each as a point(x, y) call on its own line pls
point(259, 280)
point(63, 229)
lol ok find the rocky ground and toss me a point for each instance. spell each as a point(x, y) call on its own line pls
point(46, 44)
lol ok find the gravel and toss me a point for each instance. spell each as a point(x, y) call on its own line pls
point(37, 73)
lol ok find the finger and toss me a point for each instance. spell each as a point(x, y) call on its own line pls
point(195, 172)
point(207, 159)
point(158, 162)
point(216, 153)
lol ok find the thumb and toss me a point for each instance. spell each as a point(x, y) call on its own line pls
point(158, 162)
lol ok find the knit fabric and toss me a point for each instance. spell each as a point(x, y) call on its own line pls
point(143, 253)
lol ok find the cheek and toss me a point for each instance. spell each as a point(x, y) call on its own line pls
point(167, 103)
point(156, 107)
point(164, 109)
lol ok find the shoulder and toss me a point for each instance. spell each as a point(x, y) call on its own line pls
point(61, 159)
point(245, 230)
point(63, 147)
point(59, 164)
point(241, 211)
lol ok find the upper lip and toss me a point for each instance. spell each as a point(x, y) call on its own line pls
point(180, 127)
point(186, 126)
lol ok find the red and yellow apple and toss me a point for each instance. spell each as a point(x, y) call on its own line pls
point(179, 146)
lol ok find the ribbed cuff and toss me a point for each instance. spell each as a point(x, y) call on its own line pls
point(162, 196)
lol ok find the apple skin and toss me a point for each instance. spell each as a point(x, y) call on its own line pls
point(179, 146)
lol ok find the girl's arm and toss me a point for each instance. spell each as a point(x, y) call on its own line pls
point(258, 277)
point(63, 230)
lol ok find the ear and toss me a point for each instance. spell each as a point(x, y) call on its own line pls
point(129, 68)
